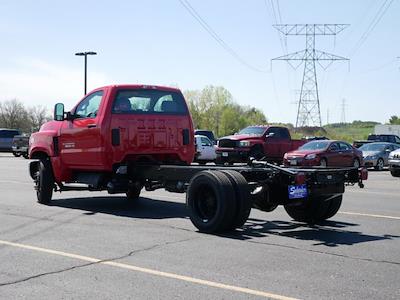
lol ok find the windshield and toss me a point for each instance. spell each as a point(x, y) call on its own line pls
point(373, 147)
point(252, 130)
point(315, 145)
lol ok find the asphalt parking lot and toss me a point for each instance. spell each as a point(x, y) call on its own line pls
point(92, 245)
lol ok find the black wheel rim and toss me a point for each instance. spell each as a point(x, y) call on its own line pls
point(205, 203)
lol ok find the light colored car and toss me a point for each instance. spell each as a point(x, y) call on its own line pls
point(377, 154)
point(394, 163)
point(205, 150)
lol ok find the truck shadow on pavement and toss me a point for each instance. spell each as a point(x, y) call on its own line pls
point(143, 208)
point(328, 233)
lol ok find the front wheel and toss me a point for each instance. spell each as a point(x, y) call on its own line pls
point(257, 152)
point(16, 154)
point(379, 165)
point(323, 163)
point(356, 163)
point(44, 182)
point(133, 193)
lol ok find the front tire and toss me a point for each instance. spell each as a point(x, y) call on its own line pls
point(16, 154)
point(379, 164)
point(356, 163)
point(133, 193)
point(44, 182)
point(257, 152)
point(323, 163)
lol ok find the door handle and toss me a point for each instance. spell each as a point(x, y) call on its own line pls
point(92, 125)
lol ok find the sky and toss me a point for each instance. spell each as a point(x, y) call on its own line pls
point(159, 42)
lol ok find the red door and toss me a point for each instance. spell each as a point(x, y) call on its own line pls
point(333, 155)
point(81, 143)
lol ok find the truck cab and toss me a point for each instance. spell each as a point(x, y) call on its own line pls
point(263, 141)
point(113, 125)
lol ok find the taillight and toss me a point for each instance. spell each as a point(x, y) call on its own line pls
point(300, 178)
point(363, 174)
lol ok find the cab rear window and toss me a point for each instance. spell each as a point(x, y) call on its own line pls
point(149, 102)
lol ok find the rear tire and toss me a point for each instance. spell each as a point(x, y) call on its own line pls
point(334, 206)
point(16, 154)
point(243, 198)
point(313, 210)
point(211, 201)
point(262, 202)
point(395, 173)
point(379, 165)
point(44, 182)
point(26, 156)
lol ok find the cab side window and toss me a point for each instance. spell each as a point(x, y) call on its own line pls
point(205, 142)
point(89, 106)
point(275, 132)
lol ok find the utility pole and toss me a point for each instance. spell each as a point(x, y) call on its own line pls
point(308, 112)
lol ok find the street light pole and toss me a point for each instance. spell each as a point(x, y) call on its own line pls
point(85, 54)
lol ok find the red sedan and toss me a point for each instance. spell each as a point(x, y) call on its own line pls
point(324, 153)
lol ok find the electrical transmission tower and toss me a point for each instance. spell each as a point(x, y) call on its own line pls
point(308, 113)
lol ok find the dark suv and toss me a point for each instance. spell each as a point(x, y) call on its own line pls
point(6, 139)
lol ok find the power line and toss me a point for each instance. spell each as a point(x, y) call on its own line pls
point(374, 22)
point(216, 37)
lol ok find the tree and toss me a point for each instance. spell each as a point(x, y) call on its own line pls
point(13, 114)
point(394, 120)
point(37, 116)
point(213, 108)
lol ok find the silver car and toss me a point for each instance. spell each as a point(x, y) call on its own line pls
point(377, 154)
point(394, 163)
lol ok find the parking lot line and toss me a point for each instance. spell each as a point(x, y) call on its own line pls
point(371, 192)
point(368, 215)
point(151, 271)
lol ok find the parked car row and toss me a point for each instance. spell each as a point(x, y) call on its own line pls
point(274, 143)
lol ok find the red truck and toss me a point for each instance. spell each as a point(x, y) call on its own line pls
point(124, 138)
point(264, 141)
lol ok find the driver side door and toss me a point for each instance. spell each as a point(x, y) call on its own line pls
point(81, 144)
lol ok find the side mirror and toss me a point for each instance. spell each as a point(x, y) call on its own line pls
point(59, 112)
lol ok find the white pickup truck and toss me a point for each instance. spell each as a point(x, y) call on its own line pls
point(205, 150)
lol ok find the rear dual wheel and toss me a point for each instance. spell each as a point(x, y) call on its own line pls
point(218, 201)
point(315, 209)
